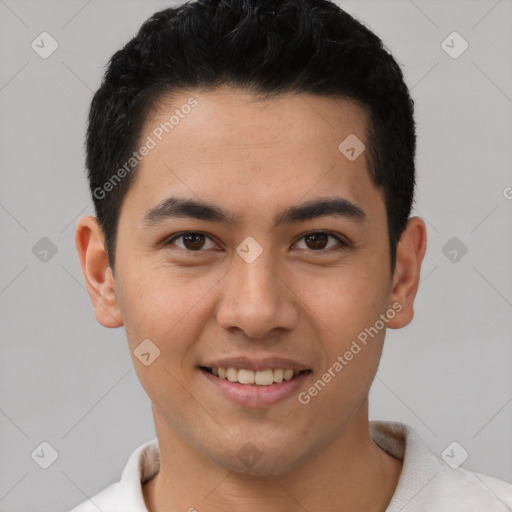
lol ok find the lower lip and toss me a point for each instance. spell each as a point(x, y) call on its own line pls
point(257, 396)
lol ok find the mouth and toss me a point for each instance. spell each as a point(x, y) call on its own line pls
point(254, 388)
point(247, 377)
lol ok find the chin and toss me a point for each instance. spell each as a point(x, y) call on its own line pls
point(267, 462)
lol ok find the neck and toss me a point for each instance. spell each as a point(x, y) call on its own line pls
point(353, 474)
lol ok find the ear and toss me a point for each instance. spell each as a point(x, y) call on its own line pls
point(99, 280)
point(410, 252)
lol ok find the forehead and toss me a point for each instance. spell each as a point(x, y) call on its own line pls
point(229, 145)
point(243, 117)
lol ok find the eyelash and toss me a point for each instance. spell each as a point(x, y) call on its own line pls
point(341, 243)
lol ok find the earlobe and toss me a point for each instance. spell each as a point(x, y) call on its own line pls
point(406, 277)
point(98, 276)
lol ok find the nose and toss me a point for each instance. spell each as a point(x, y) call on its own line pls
point(257, 299)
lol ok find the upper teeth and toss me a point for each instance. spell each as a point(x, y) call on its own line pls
point(260, 377)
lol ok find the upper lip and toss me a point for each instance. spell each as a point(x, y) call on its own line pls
point(255, 364)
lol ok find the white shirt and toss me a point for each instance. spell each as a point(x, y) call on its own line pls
point(426, 484)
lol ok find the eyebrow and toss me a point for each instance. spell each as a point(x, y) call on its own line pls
point(177, 207)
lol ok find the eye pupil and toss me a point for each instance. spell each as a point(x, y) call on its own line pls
point(196, 241)
point(319, 240)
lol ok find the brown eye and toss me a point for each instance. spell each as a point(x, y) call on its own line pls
point(316, 240)
point(319, 241)
point(192, 241)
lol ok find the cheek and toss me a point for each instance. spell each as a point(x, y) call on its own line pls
point(346, 309)
point(164, 306)
point(170, 312)
point(345, 302)
point(350, 360)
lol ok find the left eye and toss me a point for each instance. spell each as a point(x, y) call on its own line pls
point(195, 241)
point(319, 240)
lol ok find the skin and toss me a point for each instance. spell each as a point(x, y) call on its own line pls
point(254, 157)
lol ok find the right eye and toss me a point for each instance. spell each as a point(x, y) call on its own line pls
point(191, 241)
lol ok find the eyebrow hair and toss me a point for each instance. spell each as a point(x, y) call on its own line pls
point(173, 207)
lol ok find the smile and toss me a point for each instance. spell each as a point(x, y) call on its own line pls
point(255, 388)
point(251, 377)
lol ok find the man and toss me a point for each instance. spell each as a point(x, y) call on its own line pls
point(252, 169)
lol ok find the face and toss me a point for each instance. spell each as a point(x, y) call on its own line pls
point(255, 277)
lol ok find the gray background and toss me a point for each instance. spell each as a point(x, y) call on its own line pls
point(66, 380)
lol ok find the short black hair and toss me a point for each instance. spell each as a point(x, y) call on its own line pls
point(268, 47)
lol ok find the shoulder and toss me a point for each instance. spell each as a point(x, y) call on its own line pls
point(460, 489)
point(127, 495)
point(427, 482)
point(106, 501)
